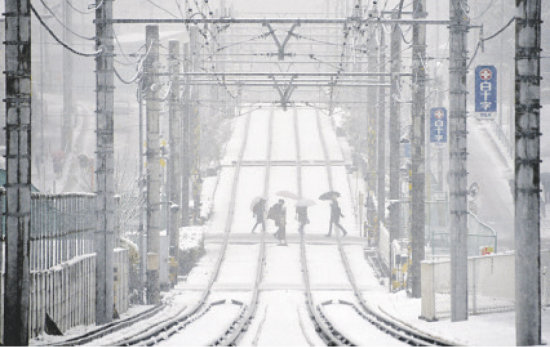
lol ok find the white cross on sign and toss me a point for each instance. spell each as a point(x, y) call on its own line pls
point(485, 74)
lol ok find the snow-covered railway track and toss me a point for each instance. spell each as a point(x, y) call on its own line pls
point(109, 328)
point(382, 322)
point(241, 323)
point(325, 329)
point(164, 328)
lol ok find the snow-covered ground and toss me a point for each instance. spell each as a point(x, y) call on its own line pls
point(281, 317)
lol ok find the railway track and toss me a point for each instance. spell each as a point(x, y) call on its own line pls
point(325, 329)
point(240, 325)
point(399, 331)
point(163, 329)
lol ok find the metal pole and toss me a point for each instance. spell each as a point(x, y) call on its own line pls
point(395, 134)
point(141, 230)
point(527, 171)
point(67, 134)
point(458, 159)
point(382, 135)
point(105, 163)
point(418, 143)
point(151, 89)
point(185, 140)
point(174, 162)
point(195, 125)
point(18, 168)
point(43, 64)
point(372, 65)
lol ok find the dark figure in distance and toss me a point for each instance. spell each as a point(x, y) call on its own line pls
point(301, 216)
point(258, 211)
point(277, 212)
point(335, 214)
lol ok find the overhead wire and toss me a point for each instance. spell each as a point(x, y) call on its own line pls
point(65, 45)
point(52, 13)
point(161, 8)
point(483, 39)
point(88, 11)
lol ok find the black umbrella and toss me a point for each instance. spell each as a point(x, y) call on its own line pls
point(329, 195)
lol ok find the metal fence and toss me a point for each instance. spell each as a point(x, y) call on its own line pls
point(61, 260)
point(62, 228)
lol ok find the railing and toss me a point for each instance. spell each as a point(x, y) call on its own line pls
point(62, 228)
point(62, 262)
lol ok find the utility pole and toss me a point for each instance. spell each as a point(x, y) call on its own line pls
point(195, 125)
point(151, 89)
point(395, 134)
point(382, 134)
point(141, 184)
point(18, 169)
point(174, 162)
point(458, 158)
point(418, 143)
point(185, 139)
point(105, 217)
point(527, 172)
point(68, 109)
point(372, 65)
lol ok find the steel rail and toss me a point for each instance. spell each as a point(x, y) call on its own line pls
point(108, 328)
point(171, 325)
point(324, 328)
point(389, 326)
point(239, 326)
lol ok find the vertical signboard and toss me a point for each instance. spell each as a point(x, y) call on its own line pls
point(486, 90)
point(438, 125)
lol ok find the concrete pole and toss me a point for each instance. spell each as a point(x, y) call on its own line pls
point(372, 66)
point(382, 133)
point(418, 143)
point(195, 128)
point(395, 133)
point(174, 162)
point(185, 140)
point(105, 216)
point(527, 171)
point(151, 89)
point(68, 109)
point(18, 168)
point(458, 158)
point(141, 230)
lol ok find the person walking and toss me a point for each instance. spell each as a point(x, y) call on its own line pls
point(277, 212)
point(335, 214)
point(301, 217)
point(258, 211)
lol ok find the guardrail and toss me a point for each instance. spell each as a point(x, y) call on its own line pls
point(62, 263)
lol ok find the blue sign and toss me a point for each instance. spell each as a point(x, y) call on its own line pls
point(438, 125)
point(486, 89)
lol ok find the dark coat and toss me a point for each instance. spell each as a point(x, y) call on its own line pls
point(335, 212)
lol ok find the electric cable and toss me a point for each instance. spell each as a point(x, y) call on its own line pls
point(90, 38)
point(90, 10)
point(66, 46)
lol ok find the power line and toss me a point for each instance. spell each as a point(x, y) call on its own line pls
point(90, 10)
point(483, 39)
point(66, 46)
point(162, 8)
point(63, 24)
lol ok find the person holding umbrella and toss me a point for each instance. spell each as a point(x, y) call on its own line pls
point(301, 213)
point(335, 214)
point(258, 211)
point(277, 212)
